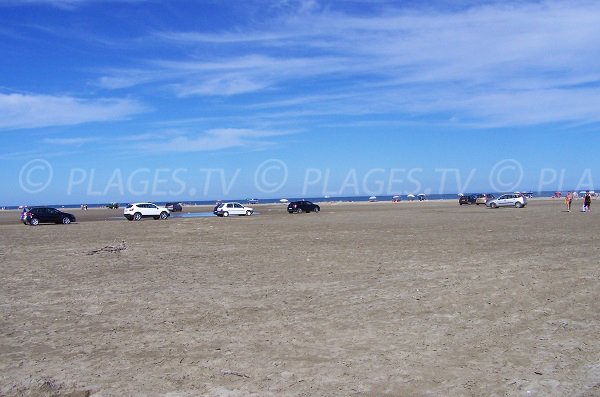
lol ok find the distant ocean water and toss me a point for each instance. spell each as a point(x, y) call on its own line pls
point(403, 197)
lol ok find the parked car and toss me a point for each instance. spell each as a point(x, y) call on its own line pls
point(174, 207)
point(484, 198)
point(302, 206)
point(137, 211)
point(226, 209)
point(36, 215)
point(467, 199)
point(508, 200)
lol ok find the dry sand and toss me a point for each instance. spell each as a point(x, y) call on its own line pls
point(409, 299)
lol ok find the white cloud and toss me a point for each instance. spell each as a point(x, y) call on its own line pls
point(62, 4)
point(214, 140)
point(426, 60)
point(18, 111)
point(77, 141)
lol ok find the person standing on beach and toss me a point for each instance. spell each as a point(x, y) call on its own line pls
point(568, 201)
point(587, 201)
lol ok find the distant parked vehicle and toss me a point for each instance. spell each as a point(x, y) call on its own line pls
point(36, 215)
point(302, 206)
point(174, 207)
point(484, 198)
point(508, 200)
point(467, 199)
point(226, 209)
point(253, 201)
point(137, 211)
point(113, 206)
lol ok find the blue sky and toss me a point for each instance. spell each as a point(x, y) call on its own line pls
point(197, 100)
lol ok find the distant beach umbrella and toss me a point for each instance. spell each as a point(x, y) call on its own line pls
point(283, 200)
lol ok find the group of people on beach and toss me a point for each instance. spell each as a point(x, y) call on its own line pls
point(587, 201)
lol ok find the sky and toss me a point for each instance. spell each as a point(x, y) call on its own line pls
point(135, 100)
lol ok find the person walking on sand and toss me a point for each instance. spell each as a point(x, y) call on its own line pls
point(587, 201)
point(569, 201)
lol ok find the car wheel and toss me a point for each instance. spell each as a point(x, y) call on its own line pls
point(225, 214)
point(66, 220)
point(137, 216)
point(34, 222)
point(248, 213)
point(494, 205)
point(317, 209)
point(164, 215)
point(300, 210)
point(518, 204)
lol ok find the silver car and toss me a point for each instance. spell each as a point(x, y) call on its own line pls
point(508, 200)
point(226, 209)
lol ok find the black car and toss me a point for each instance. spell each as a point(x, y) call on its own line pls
point(467, 199)
point(174, 207)
point(302, 206)
point(36, 215)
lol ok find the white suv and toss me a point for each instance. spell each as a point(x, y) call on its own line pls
point(508, 200)
point(226, 209)
point(137, 211)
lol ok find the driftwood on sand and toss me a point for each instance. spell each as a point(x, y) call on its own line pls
point(114, 247)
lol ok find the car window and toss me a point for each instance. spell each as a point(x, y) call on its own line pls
point(152, 206)
point(229, 205)
point(238, 206)
point(52, 211)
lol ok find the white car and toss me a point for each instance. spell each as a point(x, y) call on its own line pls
point(137, 211)
point(226, 209)
point(508, 200)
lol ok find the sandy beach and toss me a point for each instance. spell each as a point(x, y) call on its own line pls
point(362, 299)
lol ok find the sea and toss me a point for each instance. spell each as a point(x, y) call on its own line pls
point(325, 199)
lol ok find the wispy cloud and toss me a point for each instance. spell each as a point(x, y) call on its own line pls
point(62, 4)
point(77, 141)
point(471, 63)
point(18, 111)
point(214, 140)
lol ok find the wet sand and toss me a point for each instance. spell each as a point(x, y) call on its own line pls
point(363, 299)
